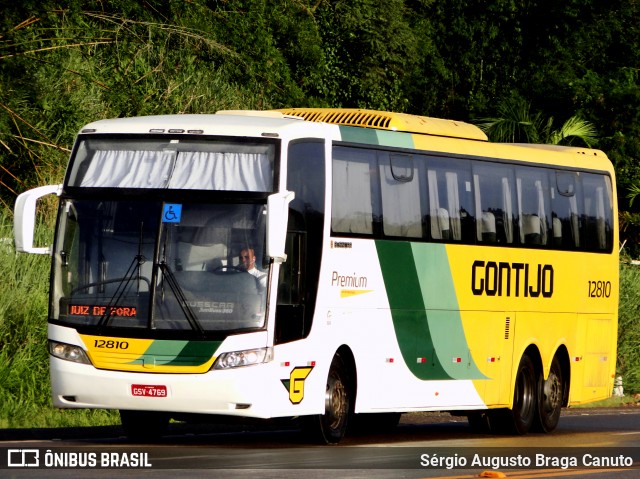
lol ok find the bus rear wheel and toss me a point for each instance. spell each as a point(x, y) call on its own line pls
point(330, 427)
point(550, 396)
point(520, 418)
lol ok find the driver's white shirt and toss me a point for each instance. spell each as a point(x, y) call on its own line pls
point(261, 276)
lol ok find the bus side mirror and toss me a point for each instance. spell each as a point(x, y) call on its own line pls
point(24, 217)
point(277, 216)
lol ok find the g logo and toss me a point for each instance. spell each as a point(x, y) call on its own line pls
point(295, 383)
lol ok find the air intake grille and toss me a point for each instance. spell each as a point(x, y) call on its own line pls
point(383, 120)
point(344, 117)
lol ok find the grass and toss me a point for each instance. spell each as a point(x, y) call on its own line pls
point(25, 391)
point(623, 401)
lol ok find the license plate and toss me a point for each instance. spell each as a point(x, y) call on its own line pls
point(149, 391)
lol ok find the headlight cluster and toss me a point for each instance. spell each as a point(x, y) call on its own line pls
point(68, 352)
point(249, 357)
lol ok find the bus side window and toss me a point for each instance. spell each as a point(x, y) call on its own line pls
point(353, 199)
point(290, 308)
point(400, 193)
point(533, 206)
point(450, 200)
point(598, 212)
point(564, 207)
point(494, 190)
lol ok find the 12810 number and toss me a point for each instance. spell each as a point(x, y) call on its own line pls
point(110, 344)
point(599, 289)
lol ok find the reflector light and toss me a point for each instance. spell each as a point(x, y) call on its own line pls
point(422, 360)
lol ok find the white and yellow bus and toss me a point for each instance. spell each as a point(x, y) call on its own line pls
point(402, 263)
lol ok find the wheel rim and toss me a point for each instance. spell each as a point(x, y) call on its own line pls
point(336, 404)
point(551, 394)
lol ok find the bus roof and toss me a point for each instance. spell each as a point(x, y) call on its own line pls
point(232, 123)
point(389, 121)
point(376, 127)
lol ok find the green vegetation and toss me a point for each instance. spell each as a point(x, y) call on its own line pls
point(629, 328)
point(553, 66)
point(24, 361)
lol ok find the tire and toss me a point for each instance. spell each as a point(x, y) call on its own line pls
point(330, 427)
point(144, 425)
point(520, 418)
point(550, 398)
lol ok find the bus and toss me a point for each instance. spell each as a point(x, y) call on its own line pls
point(337, 266)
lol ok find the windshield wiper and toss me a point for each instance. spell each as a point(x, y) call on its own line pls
point(136, 263)
point(179, 294)
point(138, 260)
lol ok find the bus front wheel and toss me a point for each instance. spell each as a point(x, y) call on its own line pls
point(330, 427)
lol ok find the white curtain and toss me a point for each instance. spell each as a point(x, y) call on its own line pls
point(508, 209)
point(200, 170)
point(478, 201)
point(351, 212)
point(434, 206)
point(542, 212)
point(401, 211)
point(179, 170)
point(453, 203)
point(128, 169)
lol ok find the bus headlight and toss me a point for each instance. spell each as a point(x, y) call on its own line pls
point(68, 352)
point(238, 359)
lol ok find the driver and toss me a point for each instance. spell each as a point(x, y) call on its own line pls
point(248, 263)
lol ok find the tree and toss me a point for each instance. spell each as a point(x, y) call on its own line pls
point(517, 123)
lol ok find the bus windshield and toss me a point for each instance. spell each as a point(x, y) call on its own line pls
point(154, 265)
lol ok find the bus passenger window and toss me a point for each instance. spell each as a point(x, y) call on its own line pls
point(400, 191)
point(493, 189)
point(533, 205)
point(597, 212)
point(352, 210)
point(564, 207)
point(450, 201)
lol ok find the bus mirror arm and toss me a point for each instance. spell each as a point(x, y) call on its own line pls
point(25, 218)
point(277, 217)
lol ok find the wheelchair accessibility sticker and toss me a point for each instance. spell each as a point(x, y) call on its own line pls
point(171, 213)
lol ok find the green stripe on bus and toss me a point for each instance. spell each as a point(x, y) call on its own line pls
point(395, 139)
point(371, 136)
point(359, 135)
point(408, 310)
point(445, 322)
point(425, 312)
point(179, 353)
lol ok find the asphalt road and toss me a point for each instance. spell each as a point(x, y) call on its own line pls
point(423, 446)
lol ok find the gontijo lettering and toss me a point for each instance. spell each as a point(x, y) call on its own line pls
point(511, 279)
